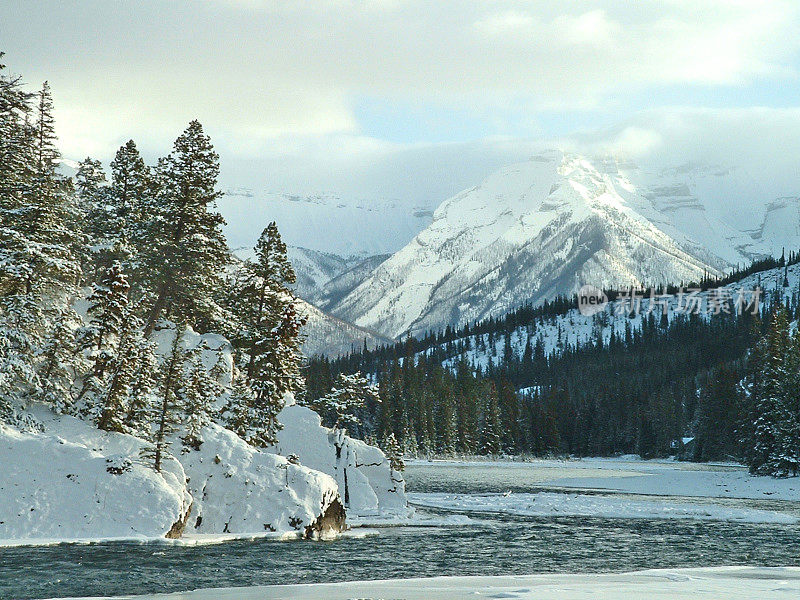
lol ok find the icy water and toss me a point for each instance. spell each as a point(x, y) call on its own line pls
point(489, 546)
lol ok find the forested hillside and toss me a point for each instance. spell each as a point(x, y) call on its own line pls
point(549, 380)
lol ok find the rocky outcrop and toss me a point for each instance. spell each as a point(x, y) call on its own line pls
point(367, 485)
point(178, 526)
point(330, 522)
point(240, 489)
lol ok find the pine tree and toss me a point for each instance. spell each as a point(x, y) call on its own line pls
point(129, 184)
point(38, 269)
point(341, 406)
point(268, 332)
point(770, 403)
point(166, 415)
point(491, 433)
point(114, 398)
point(143, 400)
point(107, 304)
point(392, 449)
point(60, 363)
point(238, 414)
point(199, 395)
point(183, 250)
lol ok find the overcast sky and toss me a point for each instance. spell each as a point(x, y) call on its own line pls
point(413, 99)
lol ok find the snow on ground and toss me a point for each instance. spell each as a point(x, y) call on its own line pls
point(551, 504)
point(371, 491)
point(669, 584)
point(74, 482)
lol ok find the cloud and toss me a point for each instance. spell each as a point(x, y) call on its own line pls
point(258, 71)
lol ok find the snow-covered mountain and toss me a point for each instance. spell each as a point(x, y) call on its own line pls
point(528, 232)
point(545, 227)
point(324, 278)
point(331, 336)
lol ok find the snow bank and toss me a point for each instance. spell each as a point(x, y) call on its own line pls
point(667, 584)
point(367, 485)
point(549, 504)
point(75, 482)
point(239, 489)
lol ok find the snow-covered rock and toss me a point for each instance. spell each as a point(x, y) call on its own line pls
point(240, 489)
point(366, 483)
point(73, 481)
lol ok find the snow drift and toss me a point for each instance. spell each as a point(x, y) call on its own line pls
point(73, 482)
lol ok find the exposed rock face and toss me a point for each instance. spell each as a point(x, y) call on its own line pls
point(177, 528)
point(331, 521)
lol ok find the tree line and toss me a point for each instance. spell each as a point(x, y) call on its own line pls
point(647, 391)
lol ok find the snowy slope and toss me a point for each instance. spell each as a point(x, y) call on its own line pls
point(67, 480)
point(719, 210)
point(537, 229)
point(331, 336)
point(314, 269)
point(573, 329)
point(529, 232)
point(240, 489)
point(75, 482)
point(59, 485)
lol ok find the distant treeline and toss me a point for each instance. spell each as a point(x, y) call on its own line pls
point(643, 391)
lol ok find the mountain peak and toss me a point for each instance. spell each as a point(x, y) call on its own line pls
point(546, 226)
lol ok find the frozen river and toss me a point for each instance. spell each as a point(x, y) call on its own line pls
point(498, 540)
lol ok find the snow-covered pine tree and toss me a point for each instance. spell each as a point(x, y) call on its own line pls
point(770, 400)
point(183, 249)
point(60, 363)
point(94, 200)
point(393, 453)
point(238, 414)
point(129, 185)
point(107, 304)
point(38, 269)
point(171, 380)
point(143, 400)
point(341, 406)
point(101, 341)
point(268, 332)
point(267, 294)
point(788, 459)
point(198, 396)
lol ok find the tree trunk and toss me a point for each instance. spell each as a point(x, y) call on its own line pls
point(155, 312)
